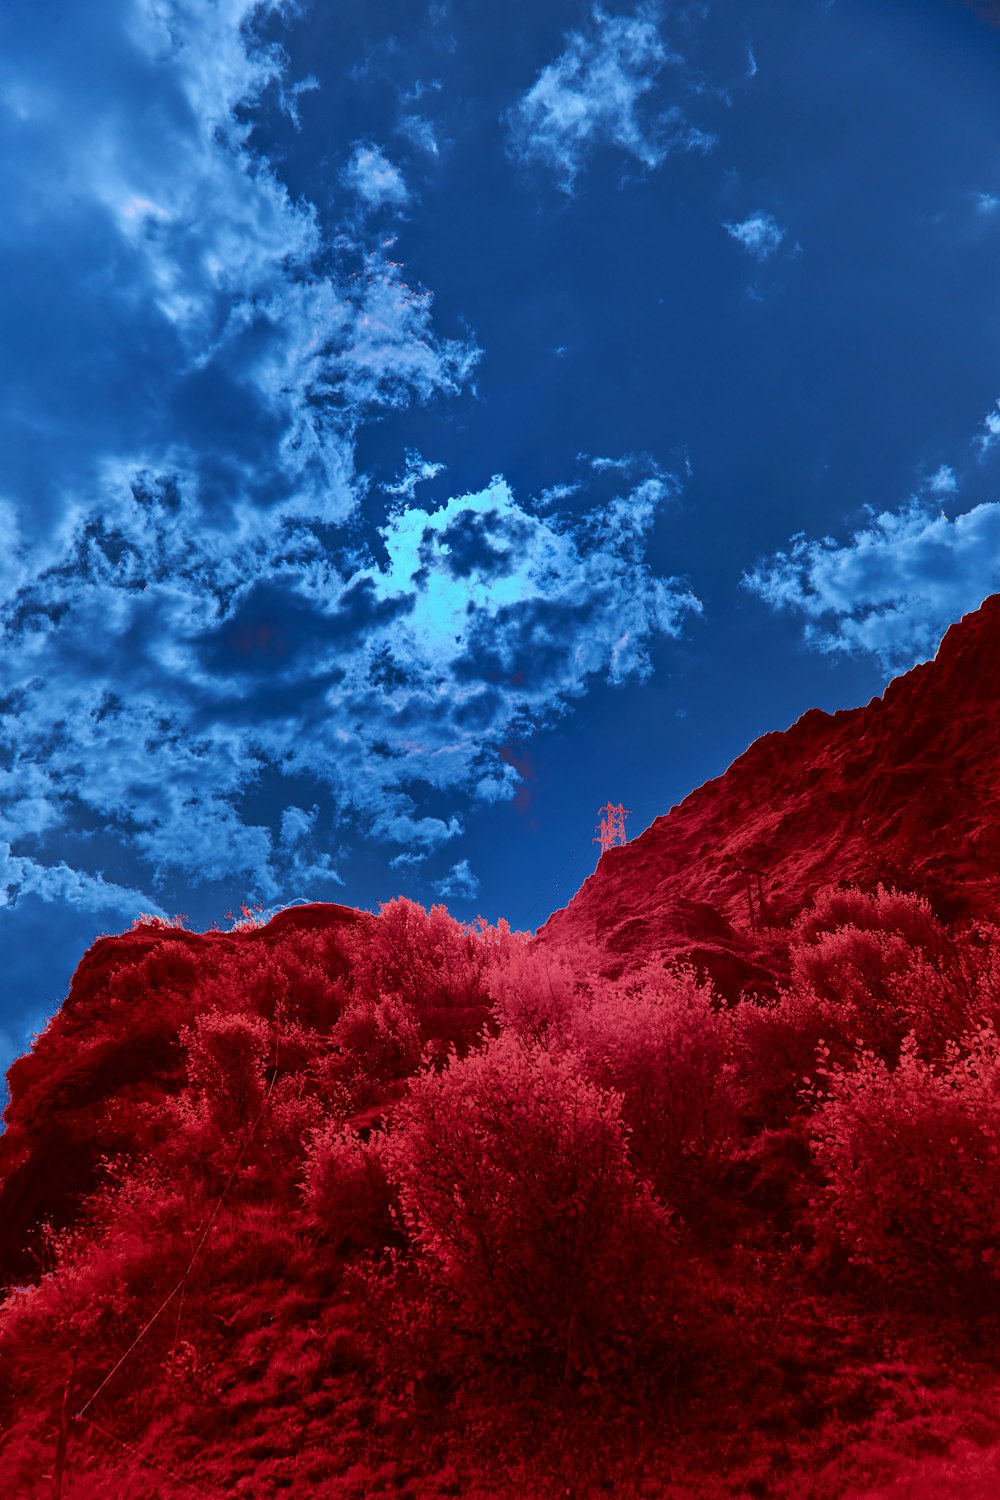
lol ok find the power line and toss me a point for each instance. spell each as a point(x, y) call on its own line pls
point(81, 1415)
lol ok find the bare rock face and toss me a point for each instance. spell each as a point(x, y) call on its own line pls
point(905, 790)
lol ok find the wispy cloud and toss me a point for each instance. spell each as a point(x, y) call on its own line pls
point(218, 333)
point(460, 883)
point(893, 588)
point(602, 91)
point(760, 234)
point(990, 435)
point(943, 481)
point(216, 666)
point(202, 668)
point(374, 178)
point(421, 132)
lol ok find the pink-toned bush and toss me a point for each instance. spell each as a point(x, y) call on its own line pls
point(516, 1188)
point(881, 910)
point(226, 1059)
point(430, 962)
point(658, 1040)
point(535, 993)
point(346, 1189)
point(774, 1049)
point(882, 960)
point(381, 1038)
point(911, 1156)
point(863, 973)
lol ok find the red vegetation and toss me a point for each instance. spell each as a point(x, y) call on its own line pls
point(348, 1205)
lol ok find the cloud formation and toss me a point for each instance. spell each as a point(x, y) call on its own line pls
point(990, 435)
point(760, 234)
point(377, 182)
point(893, 588)
point(943, 481)
point(460, 883)
point(601, 91)
point(162, 567)
point(225, 657)
point(202, 670)
point(207, 326)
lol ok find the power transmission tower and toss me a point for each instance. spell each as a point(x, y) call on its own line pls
point(611, 829)
point(754, 887)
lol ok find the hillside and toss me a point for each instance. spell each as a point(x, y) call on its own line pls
point(905, 790)
point(660, 1203)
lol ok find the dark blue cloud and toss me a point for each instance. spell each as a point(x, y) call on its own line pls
point(275, 630)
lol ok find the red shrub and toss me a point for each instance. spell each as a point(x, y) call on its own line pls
point(912, 1162)
point(535, 993)
point(881, 910)
point(774, 1047)
point(657, 1039)
point(433, 964)
point(226, 1058)
point(516, 1187)
point(347, 1191)
point(376, 1042)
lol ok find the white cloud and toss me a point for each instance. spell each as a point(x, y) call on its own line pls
point(416, 470)
point(943, 481)
point(987, 204)
point(893, 588)
point(198, 593)
point(377, 182)
point(419, 131)
point(595, 93)
point(760, 234)
point(20, 876)
point(460, 883)
point(208, 287)
point(200, 667)
point(200, 445)
point(991, 434)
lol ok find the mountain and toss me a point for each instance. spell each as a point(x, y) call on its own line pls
point(904, 791)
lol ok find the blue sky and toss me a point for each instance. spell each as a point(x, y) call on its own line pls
point(425, 421)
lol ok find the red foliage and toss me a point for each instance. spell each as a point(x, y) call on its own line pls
point(659, 1040)
point(516, 1187)
point(912, 1162)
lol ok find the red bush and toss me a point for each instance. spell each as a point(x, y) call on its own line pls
point(226, 1059)
point(535, 993)
point(912, 1163)
point(516, 1188)
point(881, 910)
point(433, 964)
point(347, 1191)
point(658, 1040)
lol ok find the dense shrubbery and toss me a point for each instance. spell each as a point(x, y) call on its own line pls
point(911, 1159)
point(516, 1187)
point(658, 1039)
point(523, 1165)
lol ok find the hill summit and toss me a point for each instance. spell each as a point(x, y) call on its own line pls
point(904, 791)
